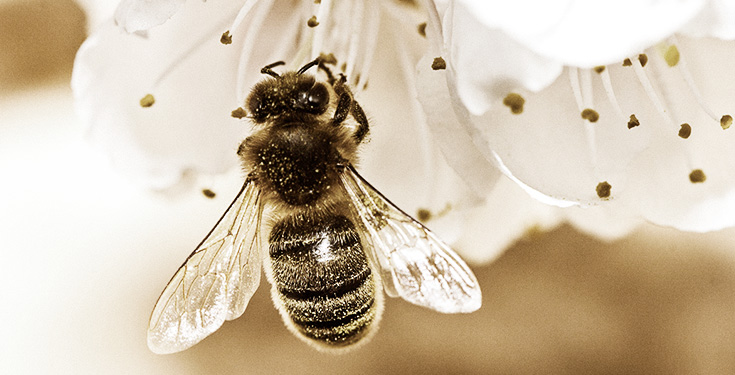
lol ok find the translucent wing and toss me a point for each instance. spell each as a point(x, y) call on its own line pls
point(215, 283)
point(416, 265)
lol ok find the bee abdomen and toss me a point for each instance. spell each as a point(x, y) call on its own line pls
point(322, 278)
point(335, 320)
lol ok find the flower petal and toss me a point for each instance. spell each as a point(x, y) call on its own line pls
point(585, 33)
point(486, 63)
point(191, 76)
point(715, 20)
point(141, 15)
point(507, 215)
point(456, 145)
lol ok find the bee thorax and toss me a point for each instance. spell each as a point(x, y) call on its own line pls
point(297, 161)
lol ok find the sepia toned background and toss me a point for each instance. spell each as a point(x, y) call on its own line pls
point(84, 255)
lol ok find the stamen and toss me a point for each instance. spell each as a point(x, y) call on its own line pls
point(312, 22)
point(589, 129)
point(147, 101)
point(355, 37)
point(574, 81)
point(438, 63)
point(603, 190)
point(325, 8)
point(515, 102)
point(687, 75)
point(422, 29)
point(435, 24)
point(643, 78)
point(251, 33)
point(725, 122)
point(633, 122)
point(697, 176)
point(587, 93)
point(226, 38)
point(607, 84)
point(371, 41)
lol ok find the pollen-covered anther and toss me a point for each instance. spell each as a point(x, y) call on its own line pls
point(685, 131)
point(422, 29)
point(590, 115)
point(697, 176)
point(208, 193)
point(671, 55)
point(312, 22)
point(515, 102)
point(627, 62)
point(239, 113)
point(603, 190)
point(633, 122)
point(599, 69)
point(147, 101)
point(226, 38)
point(726, 121)
point(438, 63)
point(643, 59)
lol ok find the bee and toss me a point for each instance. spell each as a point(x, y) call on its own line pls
point(325, 237)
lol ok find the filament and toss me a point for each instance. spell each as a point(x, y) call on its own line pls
point(607, 84)
point(686, 74)
point(646, 83)
point(576, 89)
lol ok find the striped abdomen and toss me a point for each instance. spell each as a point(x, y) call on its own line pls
point(322, 278)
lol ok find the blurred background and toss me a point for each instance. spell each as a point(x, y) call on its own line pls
point(85, 255)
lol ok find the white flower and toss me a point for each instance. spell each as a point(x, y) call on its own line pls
point(545, 92)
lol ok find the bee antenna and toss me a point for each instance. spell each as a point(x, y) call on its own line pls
point(269, 71)
point(306, 67)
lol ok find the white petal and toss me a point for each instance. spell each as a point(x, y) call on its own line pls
point(606, 222)
point(585, 33)
point(456, 145)
point(141, 15)
point(189, 127)
point(715, 20)
point(507, 215)
point(486, 63)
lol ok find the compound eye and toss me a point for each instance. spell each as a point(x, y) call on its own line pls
point(318, 96)
point(315, 100)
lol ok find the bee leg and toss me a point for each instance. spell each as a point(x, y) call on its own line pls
point(344, 103)
point(359, 115)
point(347, 105)
point(343, 108)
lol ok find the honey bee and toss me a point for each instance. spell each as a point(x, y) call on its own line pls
point(325, 237)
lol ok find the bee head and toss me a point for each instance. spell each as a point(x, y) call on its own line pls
point(292, 93)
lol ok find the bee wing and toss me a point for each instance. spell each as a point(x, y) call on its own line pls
point(416, 265)
point(215, 282)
